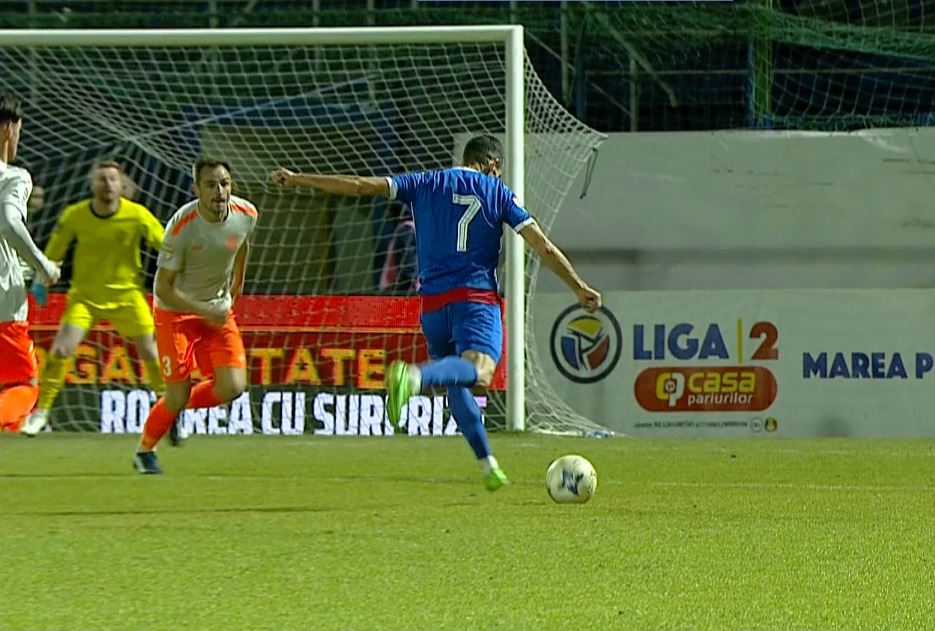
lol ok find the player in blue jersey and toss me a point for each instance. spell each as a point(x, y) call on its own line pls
point(459, 215)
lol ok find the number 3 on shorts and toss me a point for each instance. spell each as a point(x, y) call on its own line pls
point(166, 365)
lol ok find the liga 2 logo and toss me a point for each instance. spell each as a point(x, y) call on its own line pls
point(705, 389)
point(585, 346)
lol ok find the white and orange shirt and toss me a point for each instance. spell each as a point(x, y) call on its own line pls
point(203, 252)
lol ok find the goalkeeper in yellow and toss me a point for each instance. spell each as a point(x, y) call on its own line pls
point(106, 283)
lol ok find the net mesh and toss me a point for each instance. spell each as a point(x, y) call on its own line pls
point(319, 321)
point(620, 65)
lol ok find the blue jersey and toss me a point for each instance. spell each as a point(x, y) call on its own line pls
point(459, 215)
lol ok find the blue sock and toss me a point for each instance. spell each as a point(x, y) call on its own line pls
point(467, 415)
point(449, 371)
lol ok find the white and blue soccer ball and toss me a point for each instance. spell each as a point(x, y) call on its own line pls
point(571, 479)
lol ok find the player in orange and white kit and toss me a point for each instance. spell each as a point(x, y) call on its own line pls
point(18, 377)
point(200, 275)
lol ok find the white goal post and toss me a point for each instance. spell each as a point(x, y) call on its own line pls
point(515, 78)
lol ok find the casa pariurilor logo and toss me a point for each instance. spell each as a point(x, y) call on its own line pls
point(586, 346)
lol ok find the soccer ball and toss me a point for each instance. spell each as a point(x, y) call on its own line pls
point(571, 480)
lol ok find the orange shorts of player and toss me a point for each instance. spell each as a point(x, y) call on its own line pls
point(183, 339)
point(17, 354)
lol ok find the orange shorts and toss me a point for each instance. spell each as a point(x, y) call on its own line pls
point(183, 339)
point(17, 354)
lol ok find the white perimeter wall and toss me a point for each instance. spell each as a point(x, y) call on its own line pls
point(712, 210)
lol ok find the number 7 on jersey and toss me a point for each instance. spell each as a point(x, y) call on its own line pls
point(473, 206)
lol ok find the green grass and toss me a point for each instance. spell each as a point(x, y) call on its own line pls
point(313, 533)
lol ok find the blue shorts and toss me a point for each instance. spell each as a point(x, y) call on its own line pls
point(464, 326)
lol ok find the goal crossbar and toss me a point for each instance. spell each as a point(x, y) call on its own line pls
point(256, 37)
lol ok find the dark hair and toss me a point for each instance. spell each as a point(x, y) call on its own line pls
point(201, 163)
point(481, 150)
point(11, 110)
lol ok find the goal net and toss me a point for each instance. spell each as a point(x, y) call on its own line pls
point(323, 314)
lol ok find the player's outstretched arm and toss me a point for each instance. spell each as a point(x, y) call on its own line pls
point(165, 290)
point(555, 260)
point(352, 185)
point(14, 231)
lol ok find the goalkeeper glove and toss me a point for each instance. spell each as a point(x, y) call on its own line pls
point(40, 292)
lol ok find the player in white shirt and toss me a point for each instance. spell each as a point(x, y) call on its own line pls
point(18, 374)
point(200, 275)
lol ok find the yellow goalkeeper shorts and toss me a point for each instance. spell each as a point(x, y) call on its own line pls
point(132, 317)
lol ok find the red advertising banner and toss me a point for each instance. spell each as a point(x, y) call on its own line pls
point(339, 341)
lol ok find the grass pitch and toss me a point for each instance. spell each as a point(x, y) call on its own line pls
point(398, 533)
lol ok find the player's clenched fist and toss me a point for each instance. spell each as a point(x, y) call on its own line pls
point(280, 177)
point(589, 298)
point(51, 279)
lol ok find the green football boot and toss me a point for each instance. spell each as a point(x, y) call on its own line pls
point(495, 479)
point(398, 390)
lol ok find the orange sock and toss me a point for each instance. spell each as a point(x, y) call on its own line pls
point(203, 396)
point(15, 404)
point(158, 422)
point(160, 419)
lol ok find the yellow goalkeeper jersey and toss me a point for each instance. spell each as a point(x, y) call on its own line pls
point(107, 263)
